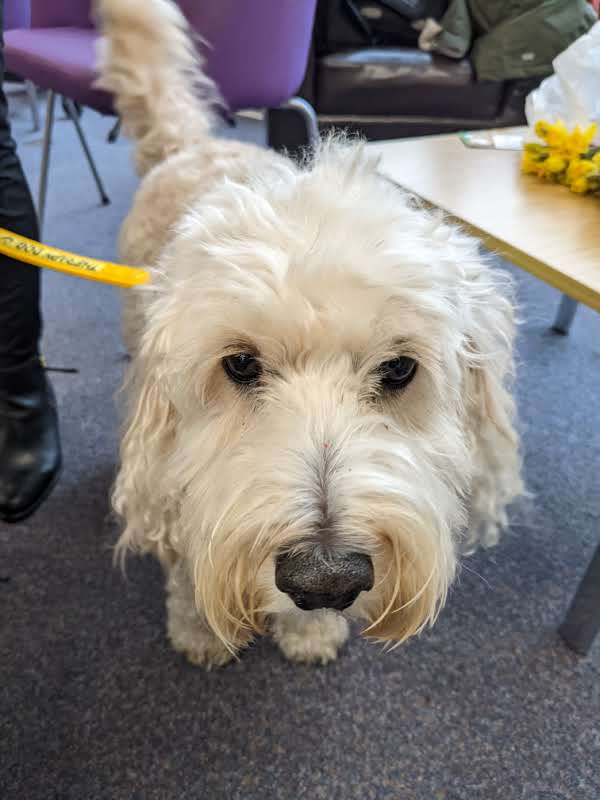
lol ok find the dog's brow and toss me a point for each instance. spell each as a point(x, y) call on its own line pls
point(240, 346)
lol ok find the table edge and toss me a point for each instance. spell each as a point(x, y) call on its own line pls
point(554, 277)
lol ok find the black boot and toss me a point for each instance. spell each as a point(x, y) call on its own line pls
point(30, 456)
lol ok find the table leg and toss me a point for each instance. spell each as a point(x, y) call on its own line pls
point(582, 622)
point(564, 317)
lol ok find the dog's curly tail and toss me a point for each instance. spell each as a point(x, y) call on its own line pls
point(148, 61)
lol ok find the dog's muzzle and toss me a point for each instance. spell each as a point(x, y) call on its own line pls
point(318, 581)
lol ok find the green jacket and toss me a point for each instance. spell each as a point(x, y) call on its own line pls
point(512, 38)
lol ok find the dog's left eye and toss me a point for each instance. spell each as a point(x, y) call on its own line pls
point(398, 373)
point(242, 368)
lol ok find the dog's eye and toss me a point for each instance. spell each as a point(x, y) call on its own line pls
point(398, 373)
point(242, 368)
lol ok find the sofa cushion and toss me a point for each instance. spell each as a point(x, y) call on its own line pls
point(403, 81)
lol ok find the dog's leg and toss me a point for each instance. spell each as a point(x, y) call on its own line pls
point(188, 632)
point(312, 637)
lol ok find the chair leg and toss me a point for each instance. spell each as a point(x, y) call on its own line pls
point(33, 103)
point(72, 112)
point(114, 132)
point(582, 622)
point(565, 315)
point(308, 114)
point(47, 144)
point(292, 127)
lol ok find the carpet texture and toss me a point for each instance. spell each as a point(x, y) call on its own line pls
point(94, 705)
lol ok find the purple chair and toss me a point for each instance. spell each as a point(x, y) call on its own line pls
point(56, 52)
point(256, 52)
point(16, 14)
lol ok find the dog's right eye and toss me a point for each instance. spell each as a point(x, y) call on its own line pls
point(398, 373)
point(242, 368)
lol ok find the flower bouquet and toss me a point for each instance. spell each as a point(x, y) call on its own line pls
point(566, 157)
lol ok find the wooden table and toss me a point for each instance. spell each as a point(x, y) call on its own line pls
point(541, 227)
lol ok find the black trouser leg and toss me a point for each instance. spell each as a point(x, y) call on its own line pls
point(30, 455)
point(20, 322)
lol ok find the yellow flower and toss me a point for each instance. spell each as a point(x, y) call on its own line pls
point(557, 135)
point(530, 164)
point(578, 141)
point(580, 168)
point(580, 186)
point(558, 138)
point(541, 128)
point(565, 156)
point(555, 164)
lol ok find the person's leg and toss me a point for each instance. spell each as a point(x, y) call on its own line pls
point(20, 324)
point(29, 443)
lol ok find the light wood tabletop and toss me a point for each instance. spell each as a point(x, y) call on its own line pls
point(543, 228)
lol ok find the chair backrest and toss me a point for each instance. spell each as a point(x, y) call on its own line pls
point(17, 14)
point(256, 51)
point(59, 13)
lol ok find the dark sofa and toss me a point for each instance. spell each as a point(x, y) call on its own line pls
point(389, 92)
point(379, 83)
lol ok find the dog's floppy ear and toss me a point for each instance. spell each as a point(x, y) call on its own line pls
point(140, 496)
point(487, 365)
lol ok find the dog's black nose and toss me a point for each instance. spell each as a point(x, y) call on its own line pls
point(319, 581)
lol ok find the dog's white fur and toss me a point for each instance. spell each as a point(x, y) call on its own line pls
point(326, 270)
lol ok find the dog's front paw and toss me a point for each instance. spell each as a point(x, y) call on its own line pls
point(310, 637)
point(187, 629)
point(201, 647)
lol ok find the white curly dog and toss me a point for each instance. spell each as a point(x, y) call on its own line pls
point(319, 420)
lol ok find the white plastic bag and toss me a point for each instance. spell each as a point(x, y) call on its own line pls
point(572, 94)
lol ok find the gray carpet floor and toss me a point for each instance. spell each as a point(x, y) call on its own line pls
point(94, 705)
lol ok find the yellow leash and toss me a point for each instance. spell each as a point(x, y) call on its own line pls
point(41, 255)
